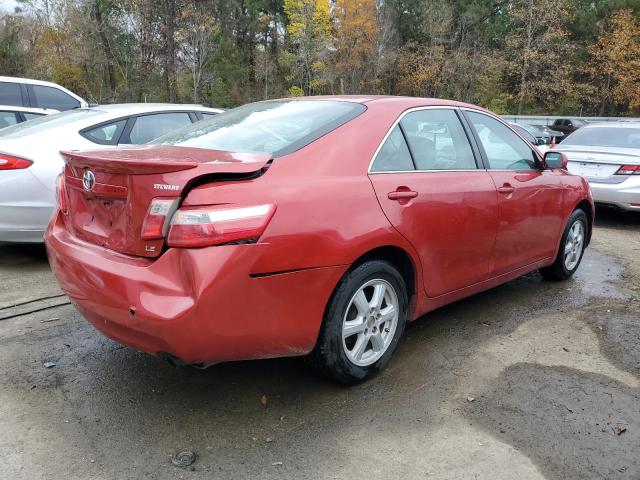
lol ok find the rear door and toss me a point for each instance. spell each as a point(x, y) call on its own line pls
point(530, 199)
point(429, 185)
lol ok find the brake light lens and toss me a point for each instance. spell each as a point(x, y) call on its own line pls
point(218, 224)
point(628, 170)
point(154, 223)
point(9, 162)
point(61, 194)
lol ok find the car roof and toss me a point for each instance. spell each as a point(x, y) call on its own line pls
point(397, 100)
point(135, 108)
point(15, 108)
point(619, 124)
point(28, 80)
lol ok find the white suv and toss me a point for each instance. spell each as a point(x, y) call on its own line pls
point(24, 92)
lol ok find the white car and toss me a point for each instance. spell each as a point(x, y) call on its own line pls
point(30, 157)
point(25, 92)
point(12, 115)
point(608, 156)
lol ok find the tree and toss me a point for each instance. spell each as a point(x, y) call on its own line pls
point(615, 63)
point(197, 41)
point(537, 45)
point(355, 39)
point(309, 34)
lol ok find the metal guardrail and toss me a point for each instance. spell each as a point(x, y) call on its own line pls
point(548, 120)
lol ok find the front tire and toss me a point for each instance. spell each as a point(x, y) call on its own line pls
point(571, 249)
point(363, 323)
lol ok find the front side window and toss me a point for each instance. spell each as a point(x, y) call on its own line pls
point(107, 134)
point(10, 94)
point(150, 127)
point(7, 119)
point(394, 154)
point(504, 150)
point(276, 127)
point(437, 140)
point(50, 97)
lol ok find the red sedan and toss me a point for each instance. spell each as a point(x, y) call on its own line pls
point(312, 226)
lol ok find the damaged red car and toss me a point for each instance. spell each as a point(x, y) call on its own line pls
point(313, 226)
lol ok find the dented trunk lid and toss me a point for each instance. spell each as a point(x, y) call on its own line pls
point(109, 191)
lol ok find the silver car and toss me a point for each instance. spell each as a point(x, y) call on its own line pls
point(30, 157)
point(608, 156)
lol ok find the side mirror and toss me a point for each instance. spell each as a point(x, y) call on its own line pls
point(555, 160)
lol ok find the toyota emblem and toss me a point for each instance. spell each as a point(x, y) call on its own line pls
point(88, 180)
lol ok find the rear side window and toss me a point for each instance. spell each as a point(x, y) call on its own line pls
point(31, 115)
point(150, 127)
point(394, 154)
point(49, 97)
point(277, 127)
point(10, 94)
point(604, 136)
point(45, 122)
point(107, 134)
point(437, 140)
point(7, 119)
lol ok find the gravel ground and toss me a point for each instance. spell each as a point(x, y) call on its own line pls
point(529, 380)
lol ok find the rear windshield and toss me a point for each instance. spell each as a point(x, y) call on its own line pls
point(621, 137)
point(276, 127)
point(49, 121)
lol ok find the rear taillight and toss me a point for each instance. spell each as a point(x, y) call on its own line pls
point(155, 223)
point(218, 224)
point(628, 170)
point(9, 162)
point(61, 194)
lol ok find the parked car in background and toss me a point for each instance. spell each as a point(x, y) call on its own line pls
point(608, 155)
point(12, 115)
point(311, 225)
point(30, 154)
point(524, 132)
point(24, 92)
point(543, 134)
point(567, 125)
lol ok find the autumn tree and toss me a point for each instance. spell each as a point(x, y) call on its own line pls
point(355, 38)
point(309, 35)
point(537, 45)
point(615, 64)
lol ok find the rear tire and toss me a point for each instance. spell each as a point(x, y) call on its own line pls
point(363, 323)
point(571, 249)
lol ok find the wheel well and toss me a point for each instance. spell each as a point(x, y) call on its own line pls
point(398, 258)
point(586, 207)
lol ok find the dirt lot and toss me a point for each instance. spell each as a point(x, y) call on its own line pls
point(530, 380)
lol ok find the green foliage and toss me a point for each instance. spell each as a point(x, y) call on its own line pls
point(533, 56)
point(12, 56)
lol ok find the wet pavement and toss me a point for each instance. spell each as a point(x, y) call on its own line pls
point(530, 380)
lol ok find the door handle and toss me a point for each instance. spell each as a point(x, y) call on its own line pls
point(402, 194)
point(506, 189)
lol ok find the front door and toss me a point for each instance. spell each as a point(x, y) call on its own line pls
point(429, 185)
point(530, 199)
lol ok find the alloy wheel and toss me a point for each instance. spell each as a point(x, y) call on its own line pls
point(370, 322)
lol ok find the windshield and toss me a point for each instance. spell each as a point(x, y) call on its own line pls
point(47, 121)
point(276, 127)
point(621, 137)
